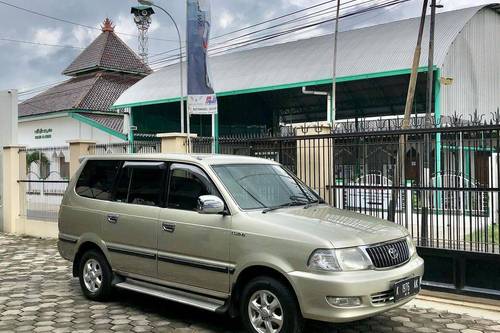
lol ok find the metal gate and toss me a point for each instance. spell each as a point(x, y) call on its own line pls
point(441, 183)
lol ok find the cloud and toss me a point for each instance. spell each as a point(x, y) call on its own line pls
point(82, 37)
point(225, 19)
point(126, 26)
point(47, 36)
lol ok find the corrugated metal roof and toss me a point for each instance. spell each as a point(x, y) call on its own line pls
point(381, 48)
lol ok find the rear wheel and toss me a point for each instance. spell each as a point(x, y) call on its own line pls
point(95, 276)
point(268, 306)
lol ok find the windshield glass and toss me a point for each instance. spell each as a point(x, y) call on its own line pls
point(256, 186)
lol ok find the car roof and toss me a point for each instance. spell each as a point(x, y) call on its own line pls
point(206, 159)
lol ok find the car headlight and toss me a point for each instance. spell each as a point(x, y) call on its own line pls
point(324, 260)
point(348, 259)
point(353, 259)
point(411, 246)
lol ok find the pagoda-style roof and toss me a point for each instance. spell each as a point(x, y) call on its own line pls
point(91, 92)
point(107, 52)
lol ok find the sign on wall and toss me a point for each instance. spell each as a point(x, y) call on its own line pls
point(201, 96)
point(43, 133)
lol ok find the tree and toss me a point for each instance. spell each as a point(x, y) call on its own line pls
point(39, 158)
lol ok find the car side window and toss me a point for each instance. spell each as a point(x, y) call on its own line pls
point(186, 184)
point(97, 179)
point(140, 183)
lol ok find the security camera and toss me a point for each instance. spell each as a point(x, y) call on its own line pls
point(142, 11)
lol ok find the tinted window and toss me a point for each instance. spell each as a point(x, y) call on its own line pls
point(187, 183)
point(97, 179)
point(140, 183)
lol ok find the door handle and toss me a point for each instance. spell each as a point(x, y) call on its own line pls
point(168, 227)
point(113, 218)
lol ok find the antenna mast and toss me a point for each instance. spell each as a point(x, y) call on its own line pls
point(142, 19)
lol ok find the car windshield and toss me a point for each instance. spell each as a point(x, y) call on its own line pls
point(266, 186)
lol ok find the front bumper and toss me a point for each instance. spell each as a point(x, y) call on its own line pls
point(312, 288)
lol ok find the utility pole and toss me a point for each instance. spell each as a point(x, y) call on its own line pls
point(400, 159)
point(430, 64)
point(424, 232)
point(333, 109)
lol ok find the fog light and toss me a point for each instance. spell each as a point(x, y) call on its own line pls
point(343, 301)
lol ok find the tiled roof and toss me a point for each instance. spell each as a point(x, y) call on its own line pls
point(107, 52)
point(94, 91)
point(111, 121)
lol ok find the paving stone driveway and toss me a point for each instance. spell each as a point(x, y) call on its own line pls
point(38, 294)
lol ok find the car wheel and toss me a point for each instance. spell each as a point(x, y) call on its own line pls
point(95, 276)
point(268, 306)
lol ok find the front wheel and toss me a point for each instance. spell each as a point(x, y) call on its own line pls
point(268, 306)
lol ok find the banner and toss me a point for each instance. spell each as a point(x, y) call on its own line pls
point(201, 97)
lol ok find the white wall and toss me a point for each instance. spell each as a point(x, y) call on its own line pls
point(63, 129)
point(473, 61)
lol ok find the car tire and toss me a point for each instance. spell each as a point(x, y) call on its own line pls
point(95, 276)
point(268, 303)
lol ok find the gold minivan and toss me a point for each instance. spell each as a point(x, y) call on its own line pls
point(231, 234)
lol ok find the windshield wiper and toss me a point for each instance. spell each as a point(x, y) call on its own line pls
point(294, 202)
point(301, 198)
point(313, 203)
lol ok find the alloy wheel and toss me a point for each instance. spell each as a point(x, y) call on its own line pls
point(265, 312)
point(92, 275)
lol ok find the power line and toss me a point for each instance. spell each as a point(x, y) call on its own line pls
point(308, 16)
point(254, 25)
point(273, 19)
point(44, 84)
point(72, 22)
point(260, 39)
point(38, 43)
point(62, 91)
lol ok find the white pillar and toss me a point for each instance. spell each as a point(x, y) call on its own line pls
point(8, 134)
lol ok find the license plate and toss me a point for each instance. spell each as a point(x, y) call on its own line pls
point(406, 288)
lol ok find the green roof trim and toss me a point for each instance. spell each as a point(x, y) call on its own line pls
point(283, 86)
point(95, 124)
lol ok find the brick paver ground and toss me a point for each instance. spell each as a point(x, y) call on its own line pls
point(39, 294)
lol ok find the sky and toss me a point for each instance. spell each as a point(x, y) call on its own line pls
point(28, 66)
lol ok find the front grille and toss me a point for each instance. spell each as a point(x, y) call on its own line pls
point(383, 297)
point(389, 254)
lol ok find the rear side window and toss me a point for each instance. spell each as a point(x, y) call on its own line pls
point(97, 179)
point(140, 183)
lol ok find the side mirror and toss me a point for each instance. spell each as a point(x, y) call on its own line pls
point(210, 204)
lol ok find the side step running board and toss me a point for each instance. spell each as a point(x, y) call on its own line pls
point(199, 301)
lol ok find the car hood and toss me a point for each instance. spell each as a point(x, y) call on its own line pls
point(342, 228)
